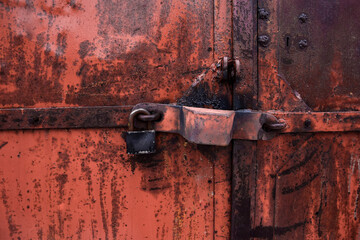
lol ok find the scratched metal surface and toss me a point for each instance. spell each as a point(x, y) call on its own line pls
point(57, 184)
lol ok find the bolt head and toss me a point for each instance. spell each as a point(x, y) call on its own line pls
point(263, 14)
point(303, 18)
point(303, 43)
point(307, 123)
point(263, 40)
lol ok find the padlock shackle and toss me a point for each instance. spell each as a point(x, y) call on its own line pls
point(134, 113)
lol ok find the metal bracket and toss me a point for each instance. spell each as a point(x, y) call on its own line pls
point(219, 127)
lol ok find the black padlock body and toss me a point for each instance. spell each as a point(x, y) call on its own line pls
point(140, 142)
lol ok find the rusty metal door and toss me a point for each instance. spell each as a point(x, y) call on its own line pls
point(297, 186)
point(80, 183)
point(71, 71)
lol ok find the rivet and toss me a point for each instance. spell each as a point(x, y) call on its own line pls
point(307, 123)
point(263, 40)
point(303, 18)
point(263, 14)
point(303, 43)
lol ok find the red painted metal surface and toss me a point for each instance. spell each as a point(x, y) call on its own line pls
point(299, 186)
point(82, 184)
point(57, 184)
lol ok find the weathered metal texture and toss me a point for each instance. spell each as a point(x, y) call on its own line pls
point(326, 72)
point(197, 125)
point(209, 89)
point(205, 126)
point(65, 117)
point(222, 164)
point(102, 53)
point(244, 48)
point(210, 126)
point(306, 185)
point(241, 124)
point(319, 121)
point(219, 127)
point(58, 184)
point(245, 97)
point(313, 186)
point(274, 93)
point(82, 184)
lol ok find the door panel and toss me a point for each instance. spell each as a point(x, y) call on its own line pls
point(326, 72)
point(80, 184)
point(58, 184)
point(302, 186)
point(317, 188)
point(61, 52)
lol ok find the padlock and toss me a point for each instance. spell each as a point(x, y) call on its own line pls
point(142, 141)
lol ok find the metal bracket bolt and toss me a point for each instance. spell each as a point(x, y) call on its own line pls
point(263, 14)
point(303, 43)
point(263, 40)
point(303, 18)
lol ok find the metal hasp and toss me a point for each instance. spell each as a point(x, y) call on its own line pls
point(219, 127)
point(198, 125)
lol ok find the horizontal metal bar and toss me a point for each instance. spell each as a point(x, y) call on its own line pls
point(218, 127)
point(300, 122)
point(198, 125)
point(66, 117)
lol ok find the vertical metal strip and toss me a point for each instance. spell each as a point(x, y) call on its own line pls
point(245, 96)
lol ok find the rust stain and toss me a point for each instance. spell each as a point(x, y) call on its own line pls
point(325, 72)
point(209, 90)
point(305, 186)
point(93, 53)
point(89, 172)
point(59, 184)
point(12, 226)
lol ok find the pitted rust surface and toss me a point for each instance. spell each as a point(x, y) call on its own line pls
point(209, 89)
point(58, 184)
point(314, 189)
point(102, 53)
point(326, 72)
point(302, 186)
point(83, 185)
point(64, 117)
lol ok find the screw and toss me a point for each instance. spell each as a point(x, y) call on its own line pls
point(307, 123)
point(303, 44)
point(263, 40)
point(263, 14)
point(303, 18)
